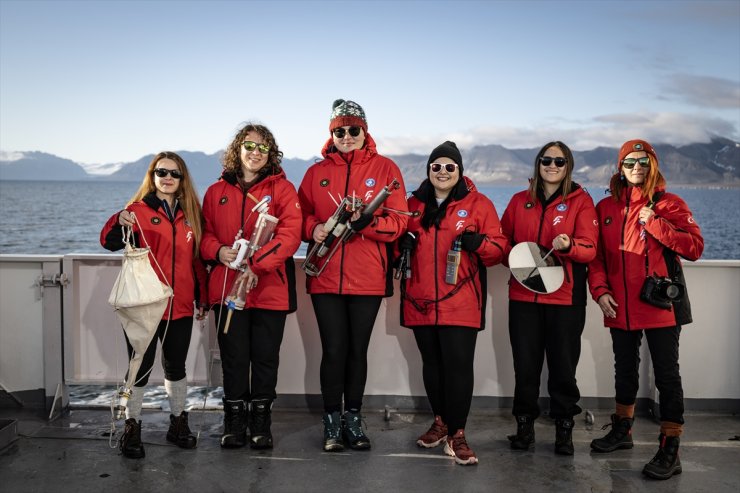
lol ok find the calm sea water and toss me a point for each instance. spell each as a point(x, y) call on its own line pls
point(66, 217)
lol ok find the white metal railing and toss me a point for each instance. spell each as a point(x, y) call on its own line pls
point(32, 302)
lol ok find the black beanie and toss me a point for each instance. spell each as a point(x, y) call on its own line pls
point(447, 149)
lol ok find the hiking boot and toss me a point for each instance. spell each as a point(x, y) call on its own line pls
point(352, 431)
point(179, 432)
point(564, 436)
point(333, 432)
point(524, 438)
point(620, 436)
point(456, 446)
point(235, 424)
point(436, 434)
point(259, 424)
point(130, 442)
point(666, 462)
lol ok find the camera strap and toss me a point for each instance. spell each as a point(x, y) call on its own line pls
point(656, 197)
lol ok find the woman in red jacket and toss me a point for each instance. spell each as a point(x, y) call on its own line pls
point(446, 309)
point(165, 215)
point(556, 213)
point(252, 175)
point(346, 295)
point(644, 230)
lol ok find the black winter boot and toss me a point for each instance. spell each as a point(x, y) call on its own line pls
point(130, 442)
point(179, 432)
point(352, 431)
point(524, 438)
point(260, 420)
point(620, 436)
point(235, 424)
point(564, 436)
point(666, 462)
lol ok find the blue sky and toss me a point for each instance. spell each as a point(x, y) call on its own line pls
point(111, 81)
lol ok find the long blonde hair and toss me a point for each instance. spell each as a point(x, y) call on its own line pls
point(186, 194)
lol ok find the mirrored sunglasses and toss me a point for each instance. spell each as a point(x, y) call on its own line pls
point(250, 146)
point(630, 163)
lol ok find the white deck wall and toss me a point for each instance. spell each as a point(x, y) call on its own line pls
point(94, 349)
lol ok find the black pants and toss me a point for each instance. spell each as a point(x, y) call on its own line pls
point(174, 350)
point(663, 345)
point(253, 343)
point(536, 330)
point(447, 366)
point(345, 325)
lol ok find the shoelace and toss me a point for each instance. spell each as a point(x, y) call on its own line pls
point(354, 426)
point(460, 447)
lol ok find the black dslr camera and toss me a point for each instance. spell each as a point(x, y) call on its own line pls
point(662, 291)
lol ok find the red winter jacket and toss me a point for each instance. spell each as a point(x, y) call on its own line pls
point(620, 266)
point(426, 298)
point(172, 246)
point(226, 209)
point(361, 265)
point(540, 222)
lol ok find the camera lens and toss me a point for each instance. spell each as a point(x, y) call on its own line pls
point(672, 291)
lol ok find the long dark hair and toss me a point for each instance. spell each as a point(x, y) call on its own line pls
point(535, 183)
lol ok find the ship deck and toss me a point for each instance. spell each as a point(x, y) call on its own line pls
point(72, 453)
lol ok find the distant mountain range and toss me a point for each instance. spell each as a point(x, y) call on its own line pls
point(713, 163)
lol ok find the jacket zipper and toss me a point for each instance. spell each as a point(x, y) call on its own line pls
point(436, 279)
point(539, 235)
point(341, 261)
point(624, 265)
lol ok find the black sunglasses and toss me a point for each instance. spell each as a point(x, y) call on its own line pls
point(547, 161)
point(353, 131)
point(449, 167)
point(630, 163)
point(162, 172)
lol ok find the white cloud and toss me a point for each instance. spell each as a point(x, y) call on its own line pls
point(704, 91)
point(605, 130)
point(9, 156)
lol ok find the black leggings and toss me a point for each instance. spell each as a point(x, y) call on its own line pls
point(536, 330)
point(447, 365)
point(663, 345)
point(174, 351)
point(253, 343)
point(345, 325)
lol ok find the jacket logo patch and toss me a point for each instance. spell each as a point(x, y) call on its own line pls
point(297, 205)
point(368, 196)
point(691, 219)
point(562, 208)
point(156, 220)
point(462, 213)
point(557, 220)
point(370, 182)
point(459, 225)
point(608, 220)
point(223, 200)
point(596, 223)
point(189, 236)
point(324, 183)
point(528, 205)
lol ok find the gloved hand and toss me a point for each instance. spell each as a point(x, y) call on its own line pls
point(407, 242)
point(470, 241)
point(361, 223)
